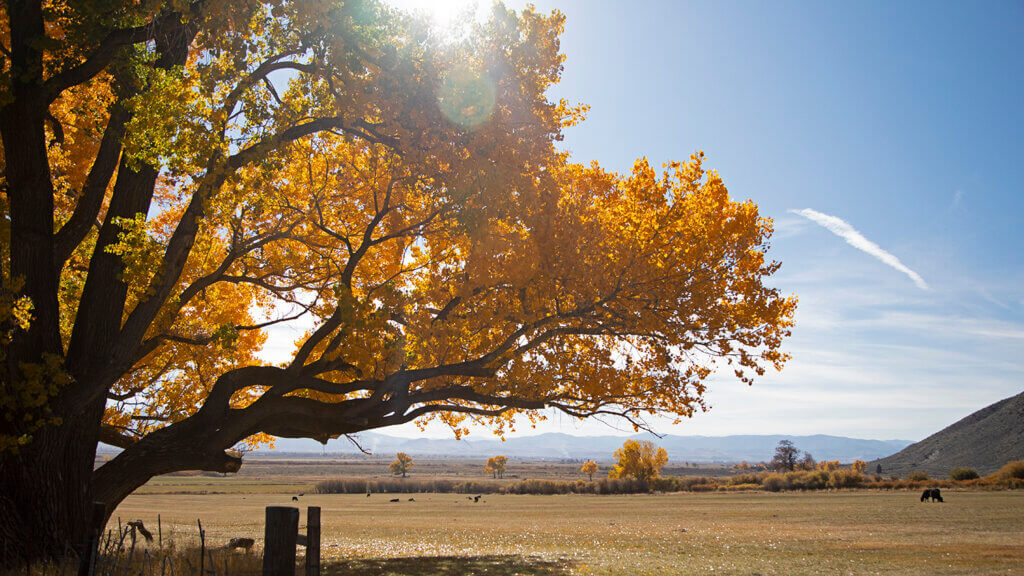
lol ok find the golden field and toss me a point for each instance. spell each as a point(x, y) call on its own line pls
point(844, 532)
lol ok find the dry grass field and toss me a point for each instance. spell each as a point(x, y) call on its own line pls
point(857, 532)
point(300, 473)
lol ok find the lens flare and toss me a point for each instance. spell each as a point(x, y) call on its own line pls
point(466, 97)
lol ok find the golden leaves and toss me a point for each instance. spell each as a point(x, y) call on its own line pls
point(402, 464)
point(638, 459)
point(421, 242)
point(496, 466)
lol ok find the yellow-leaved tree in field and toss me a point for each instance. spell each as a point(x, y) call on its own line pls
point(402, 464)
point(181, 177)
point(496, 466)
point(639, 459)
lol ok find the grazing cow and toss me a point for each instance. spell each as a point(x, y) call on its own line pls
point(412, 499)
point(396, 499)
point(295, 498)
point(931, 493)
point(367, 494)
point(243, 543)
point(477, 499)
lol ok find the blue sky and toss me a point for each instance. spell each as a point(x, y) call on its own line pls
point(902, 120)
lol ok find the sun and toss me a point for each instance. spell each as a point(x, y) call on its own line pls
point(442, 12)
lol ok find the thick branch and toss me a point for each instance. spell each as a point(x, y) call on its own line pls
point(115, 437)
point(107, 49)
point(90, 200)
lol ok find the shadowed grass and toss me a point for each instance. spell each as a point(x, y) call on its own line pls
point(492, 565)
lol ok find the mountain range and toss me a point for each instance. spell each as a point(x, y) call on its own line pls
point(984, 440)
point(556, 446)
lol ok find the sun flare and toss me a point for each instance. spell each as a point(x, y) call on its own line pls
point(441, 12)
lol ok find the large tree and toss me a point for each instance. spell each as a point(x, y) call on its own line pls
point(402, 464)
point(496, 466)
point(639, 459)
point(180, 175)
point(785, 458)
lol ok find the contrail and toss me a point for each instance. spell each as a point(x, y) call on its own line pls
point(840, 228)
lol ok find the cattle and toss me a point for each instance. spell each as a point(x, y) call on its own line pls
point(477, 498)
point(243, 543)
point(295, 498)
point(412, 499)
point(396, 499)
point(932, 493)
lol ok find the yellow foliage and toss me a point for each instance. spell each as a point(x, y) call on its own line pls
point(496, 466)
point(589, 468)
point(404, 196)
point(402, 464)
point(828, 466)
point(638, 459)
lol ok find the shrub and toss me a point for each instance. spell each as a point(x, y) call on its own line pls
point(541, 487)
point(739, 487)
point(845, 478)
point(963, 473)
point(918, 476)
point(1012, 470)
point(685, 484)
point(773, 482)
point(403, 486)
point(704, 487)
point(622, 486)
point(807, 480)
point(747, 478)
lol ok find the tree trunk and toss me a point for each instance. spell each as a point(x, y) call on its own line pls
point(47, 491)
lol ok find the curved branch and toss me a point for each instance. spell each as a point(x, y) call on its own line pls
point(268, 66)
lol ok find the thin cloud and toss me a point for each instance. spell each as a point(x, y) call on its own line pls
point(958, 198)
point(840, 228)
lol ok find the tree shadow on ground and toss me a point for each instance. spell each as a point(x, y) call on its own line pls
point(493, 565)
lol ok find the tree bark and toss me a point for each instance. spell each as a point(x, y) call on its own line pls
point(46, 498)
point(48, 483)
point(185, 445)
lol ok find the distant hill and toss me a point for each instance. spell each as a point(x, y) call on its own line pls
point(555, 446)
point(985, 441)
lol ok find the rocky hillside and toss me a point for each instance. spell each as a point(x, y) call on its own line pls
point(984, 441)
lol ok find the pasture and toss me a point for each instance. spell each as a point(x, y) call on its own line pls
point(855, 532)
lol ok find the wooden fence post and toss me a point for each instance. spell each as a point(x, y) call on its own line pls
point(313, 541)
point(279, 539)
point(87, 562)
